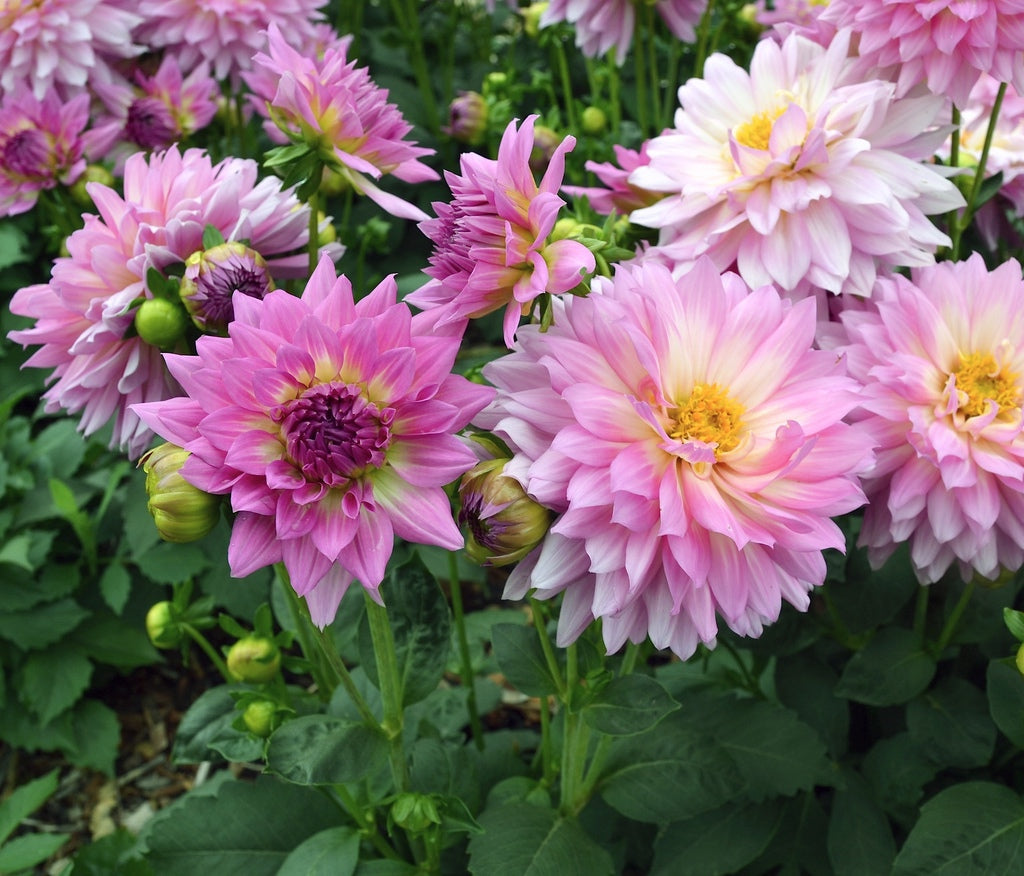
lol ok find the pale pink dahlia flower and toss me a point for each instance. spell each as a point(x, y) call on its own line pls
point(41, 146)
point(794, 16)
point(491, 247)
point(941, 358)
point(678, 430)
point(946, 45)
point(226, 33)
point(602, 25)
point(331, 424)
point(334, 107)
point(62, 44)
point(797, 175)
point(84, 314)
point(620, 196)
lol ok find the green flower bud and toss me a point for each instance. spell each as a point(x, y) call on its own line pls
point(545, 142)
point(503, 523)
point(261, 718)
point(496, 80)
point(160, 322)
point(414, 812)
point(162, 627)
point(255, 659)
point(326, 233)
point(93, 173)
point(467, 118)
point(531, 18)
point(593, 120)
point(182, 512)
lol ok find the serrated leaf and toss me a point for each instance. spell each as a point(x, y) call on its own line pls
point(206, 727)
point(859, 836)
point(42, 625)
point(97, 735)
point(897, 771)
point(115, 586)
point(891, 669)
point(521, 659)
point(51, 681)
point(62, 447)
point(970, 829)
point(332, 852)
point(170, 563)
point(951, 724)
point(25, 800)
point(1005, 689)
point(321, 750)
point(629, 705)
point(26, 851)
point(115, 642)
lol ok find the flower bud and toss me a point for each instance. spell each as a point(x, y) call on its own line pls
point(162, 627)
point(160, 322)
point(212, 276)
point(593, 120)
point(254, 659)
point(261, 718)
point(545, 142)
point(93, 173)
point(503, 523)
point(414, 812)
point(467, 118)
point(182, 512)
point(531, 18)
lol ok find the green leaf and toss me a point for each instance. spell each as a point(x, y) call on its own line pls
point(386, 867)
point(521, 659)
point(170, 563)
point(1005, 689)
point(897, 771)
point(1014, 621)
point(97, 734)
point(239, 829)
point(321, 750)
point(869, 598)
point(26, 851)
point(42, 625)
point(332, 852)
point(15, 552)
point(25, 800)
point(13, 245)
point(206, 727)
point(421, 624)
point(115, 642)
point(109, 855)
point(66, 503)
point(629, 705)
point(62, 447)
point(212, 237)
point(859, 836)
point(807, 686)
point(51, 681)
point(115, 586)
point(952, 725)
point(891, 669)
point(525, 840)
point(970, 829)
point(718, 842)
point(23, 589)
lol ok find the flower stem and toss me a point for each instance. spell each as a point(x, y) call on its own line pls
point(314, 229)
point(341, 673)
point(540, 624)
point(210, 651)
point(640, 67)
point(465, 662)
point(303, 625)
point(703, 39)
point(563, 75)
point(953, 620)
point(409, 23)
point(390, 684)
point(367, 826)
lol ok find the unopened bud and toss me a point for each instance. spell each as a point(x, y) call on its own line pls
point(261, 718)
point(531, 18)
point(593, 120)
point(467, 118)
point(162, 627)
point(254, 659)
point(93, 173)
point(414, 812)
point(182, 512)
point(160, 322)
point(213, 276)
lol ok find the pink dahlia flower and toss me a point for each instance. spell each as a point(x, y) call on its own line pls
point(602, 25)
point(794, 16)
point(226, 34)
point(677, 429)
point(41, 146)
point(946, 45)
point(85, 313)
point(331, 426)
point(491, 247)
point(332, 106)
point(796, 174)
point(620, 196)
point(941, 358)
point(62, 44)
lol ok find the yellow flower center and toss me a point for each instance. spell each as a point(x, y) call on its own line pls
point(756, 132)
point(980, 379)
point(709, 415)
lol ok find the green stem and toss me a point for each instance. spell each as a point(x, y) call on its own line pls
point(540, 625)
point(748, 680)
point(548, 768)
point(670, 99)
point(954, 140)
point(342, 675)
point(703, 39)
point(367, 826)
point(409, 24)
point(921, 613)
point(640, 65)
point(566, 81)
point(954, 618)
point(613, 97)
point(465, 661)
point(314, 229)
point(303, 626)
point(390, 684)
point(652, 66)
point(210, 652)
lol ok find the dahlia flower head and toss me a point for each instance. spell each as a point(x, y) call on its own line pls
point(618, 195)
point(796, 174)
point(334, 107)
point(41, 146)
point(941, 360)
point(794, 16)
point(602, 25)
point(65, 45)
point(491, 247)
point(945, 45)
point(331, 425)
point(225, 34)
point(676, 428)
point(85, 313)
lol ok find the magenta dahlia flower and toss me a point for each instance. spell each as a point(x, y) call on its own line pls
point(226, 34)
point(332, 106)
point(677, 429)
point(41, 146)
point(796, 174)
point(85, 313)
point(331, 424)
point(941, 357)
point(62, 44)
point(491, 247)
point(602, 25)
point(946, 45)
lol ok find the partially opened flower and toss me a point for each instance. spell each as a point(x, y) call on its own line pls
point(331, 424)
point(491, 246)
point(677, 429)
point(783, 17)
point(620, 196)
point(85, 314)
point(941, 357)
point(333, 107)
point(797, 175)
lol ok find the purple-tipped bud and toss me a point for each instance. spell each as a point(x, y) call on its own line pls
point(214, 275)
point(151, 124)
point(467, 118)
point(545, 142)
point(182, 512)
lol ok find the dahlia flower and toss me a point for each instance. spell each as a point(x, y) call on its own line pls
point(83, 315)
point(331, 426)
point(227, 35)
point(941, 357)
point(677, 429)
point(797, 174)
point(605, 24)
point(491, 246)
point(794, 16)
point(41, 145)
point(946, 45)
point(62, 44)
point(332, 106)
point(620, 196)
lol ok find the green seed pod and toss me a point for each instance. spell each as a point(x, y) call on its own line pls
point(254, 659)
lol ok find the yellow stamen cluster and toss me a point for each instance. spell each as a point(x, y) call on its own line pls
point(980, 379)
point(758, 131)
point(708, 415)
